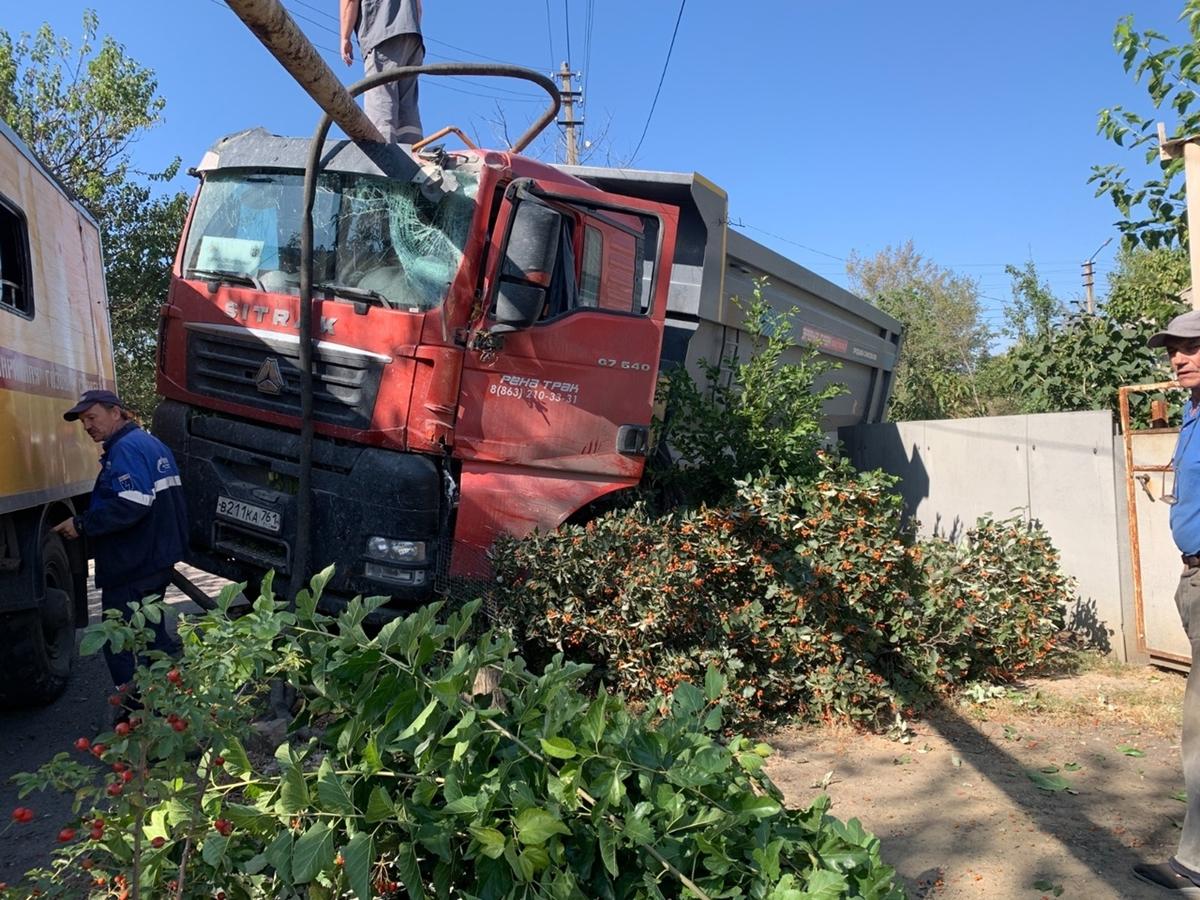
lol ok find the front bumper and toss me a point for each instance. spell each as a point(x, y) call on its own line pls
point(358, 492)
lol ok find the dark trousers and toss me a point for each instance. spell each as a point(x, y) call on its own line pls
point(119, 597)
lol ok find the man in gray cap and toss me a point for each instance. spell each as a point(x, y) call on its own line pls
point(1181, 339)
point(389, 35)
point(136, 521)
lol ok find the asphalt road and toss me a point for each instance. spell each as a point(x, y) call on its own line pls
point(29, 738)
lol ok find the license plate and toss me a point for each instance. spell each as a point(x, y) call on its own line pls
point(266, 519)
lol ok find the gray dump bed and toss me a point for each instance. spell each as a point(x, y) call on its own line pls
point(713, 264)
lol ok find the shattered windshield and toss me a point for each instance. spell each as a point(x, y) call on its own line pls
point(399, 242)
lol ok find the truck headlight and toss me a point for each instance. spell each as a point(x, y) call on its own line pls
point(395, 550)
point(413, 577)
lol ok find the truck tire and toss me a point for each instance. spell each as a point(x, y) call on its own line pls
point(37, 646)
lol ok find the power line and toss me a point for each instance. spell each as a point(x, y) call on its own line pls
point(435, 83)
point(567, 16)
point(589, 19)
point(779, 237)
point(661, 79)
point(550, 36)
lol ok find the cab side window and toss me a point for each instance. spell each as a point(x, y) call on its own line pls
point(600, 264)
point(16, 277)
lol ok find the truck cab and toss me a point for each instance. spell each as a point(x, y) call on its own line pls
point(487, 334)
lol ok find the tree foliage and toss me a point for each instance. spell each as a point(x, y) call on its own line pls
point(1082, 364)
point(762, 413)
point(1033, 309)
point(944, 336)
point(1152, 215)
point(1147, 283)
point(81, 109)
point(401, 777)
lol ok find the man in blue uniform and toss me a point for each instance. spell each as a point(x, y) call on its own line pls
point(389, 35)
point(1181, 339)
point(136, 522)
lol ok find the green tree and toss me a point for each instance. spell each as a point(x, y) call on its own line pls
point(1082, 364)
point(1153, 215)
point(944, 337)
point(81, 109)
point(1033, 309)
point(1147, 283)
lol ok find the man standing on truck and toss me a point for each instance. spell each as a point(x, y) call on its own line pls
point(1181, 339)
point(136, 521)
point(389, 35)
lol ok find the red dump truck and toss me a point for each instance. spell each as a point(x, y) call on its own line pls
point(485, 338)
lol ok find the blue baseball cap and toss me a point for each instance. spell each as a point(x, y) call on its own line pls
point(90, 399)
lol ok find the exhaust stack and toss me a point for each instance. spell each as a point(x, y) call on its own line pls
point(273, 26)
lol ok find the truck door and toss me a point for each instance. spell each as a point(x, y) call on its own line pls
point(556, 409)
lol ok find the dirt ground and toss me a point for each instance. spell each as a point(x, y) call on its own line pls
point(960, 817)
point(952, 803)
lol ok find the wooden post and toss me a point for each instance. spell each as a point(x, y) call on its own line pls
point(1188, 148)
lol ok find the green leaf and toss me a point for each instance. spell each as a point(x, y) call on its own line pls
point(759, 807)
point(419, 722)
point(237, 763)
point(279, 855)
point(332, 795)
point(93, 640)
point(608, 848)
point(214, 848)
point(558, 747)
point(491, 841)
point(1048, 782)
point(410, 872)
point(359, 856)
point(714, 683)
point(536, 826)
point(1130, 751)
point(593, 722)
point(313, 853)
point(379, 805)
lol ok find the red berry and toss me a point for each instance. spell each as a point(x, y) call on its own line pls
point(220, 895)
point(158, 842)
point(82, 744)
point(179, 725)
point(122, 729)
point(223, 826)
point(115, 700)
point(218, 761)
point(67, 834)
point(114, 789)
point(86, 863)
point(22, 814)
point(127, 776)
point(135, 722)
point(339, 860)
point(174, 676)
point(98, 822)
point(96, 833)
point(119, 766)
point(98, 750)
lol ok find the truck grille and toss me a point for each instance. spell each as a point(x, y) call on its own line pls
point(261, 369)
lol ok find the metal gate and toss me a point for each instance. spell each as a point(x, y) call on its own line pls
point(1154, 558)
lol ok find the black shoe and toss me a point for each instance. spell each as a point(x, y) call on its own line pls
point(1170, 876)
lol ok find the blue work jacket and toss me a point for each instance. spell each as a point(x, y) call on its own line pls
point(137, 519)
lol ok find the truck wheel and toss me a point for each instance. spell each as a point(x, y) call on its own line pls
point(38, 646)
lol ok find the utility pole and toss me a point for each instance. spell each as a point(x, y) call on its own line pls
point(1089, 279)
point(1188, 148)
point(568, 122)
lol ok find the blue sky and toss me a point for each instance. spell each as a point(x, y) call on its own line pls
point(834, 126)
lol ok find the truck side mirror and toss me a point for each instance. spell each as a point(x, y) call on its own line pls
point(529, 259)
